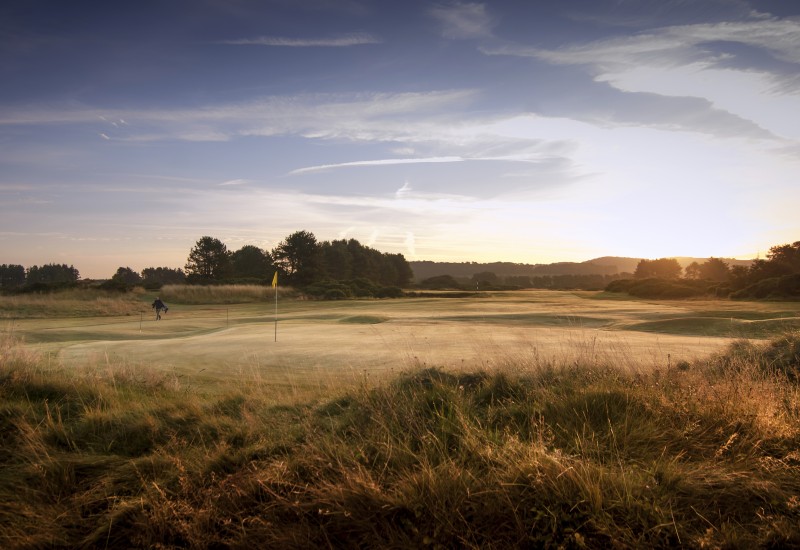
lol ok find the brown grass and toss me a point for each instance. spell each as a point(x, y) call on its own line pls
point(72, 303)
point(553, 454)
point(222, 294)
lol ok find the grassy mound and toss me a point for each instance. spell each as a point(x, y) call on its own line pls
point(779, 357)
point(556, 455)
point(718, 326)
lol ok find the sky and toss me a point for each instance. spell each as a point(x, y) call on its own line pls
point(529, 132)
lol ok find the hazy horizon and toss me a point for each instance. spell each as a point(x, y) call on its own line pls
point(448, 131)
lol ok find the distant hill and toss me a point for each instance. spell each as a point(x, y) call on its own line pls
point(606, 265)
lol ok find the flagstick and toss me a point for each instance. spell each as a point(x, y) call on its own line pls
point(276, 311)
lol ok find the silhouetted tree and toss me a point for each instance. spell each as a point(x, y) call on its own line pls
point(344, 260)
point(787, 256)
point(663, 268)
point(251, 262)
point(52, 273)
point(767, 269)
point(402, 270)
point(208, 260)
point(365, 261)
point(692, 271)
point(163, 276)
point(776, 276)
point(127, 276)
point(337, 260)
point(298, 256)
point(715, 269)
point(739, 277)
point(11, 276)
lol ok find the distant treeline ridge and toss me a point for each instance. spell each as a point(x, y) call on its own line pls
point(606, 266)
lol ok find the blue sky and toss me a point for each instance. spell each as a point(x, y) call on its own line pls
point(455, 131)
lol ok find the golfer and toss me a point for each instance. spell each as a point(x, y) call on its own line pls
point(158, 305)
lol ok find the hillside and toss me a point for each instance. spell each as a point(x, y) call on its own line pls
point(606, 265)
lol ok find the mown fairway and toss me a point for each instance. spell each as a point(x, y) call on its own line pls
point(320, 343)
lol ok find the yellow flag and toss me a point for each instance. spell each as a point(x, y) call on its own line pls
point(275, 280)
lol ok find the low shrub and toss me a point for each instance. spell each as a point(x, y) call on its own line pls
point(786, 287)
point(322, 288)
point(664, 289)
point(354, 288)
point(389, 292)
point(334, 294)
point(620, 285)
point(440, 282)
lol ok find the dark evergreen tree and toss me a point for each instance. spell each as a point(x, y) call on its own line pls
point(402, 270)
point(664, 268)
point(692, 271)
point(337, 260)
point(12, 276)
point(787, 256)
point(154, 276)
point(299, 257)
point(250, 262)
point(208, 260)
point(52, 274)
point(715, 269)
point(126, 276)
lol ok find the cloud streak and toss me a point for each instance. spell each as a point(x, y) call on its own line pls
point(360, 116)
point(343, 41)
point(380, 162)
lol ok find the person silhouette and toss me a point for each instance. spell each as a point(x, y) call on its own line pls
point(158, 305)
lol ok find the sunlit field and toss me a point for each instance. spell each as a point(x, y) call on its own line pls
point(507, 420)
point(318, 341)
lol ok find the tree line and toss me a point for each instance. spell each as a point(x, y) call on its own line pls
point(337, 268)
point(464, 271)
point(14, 276)
point(777, 276)
point(299, 259)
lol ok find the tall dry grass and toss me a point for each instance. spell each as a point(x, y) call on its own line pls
point(79, 302)
point(552, 455)
point(222, 294)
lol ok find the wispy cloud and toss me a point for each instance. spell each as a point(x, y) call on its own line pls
point(234, 182)
point(671, 46)
point(463, 20)
point(524, 157)
point(362, 116)
point(687, 77)
point(381, 162)
point(342, 41)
